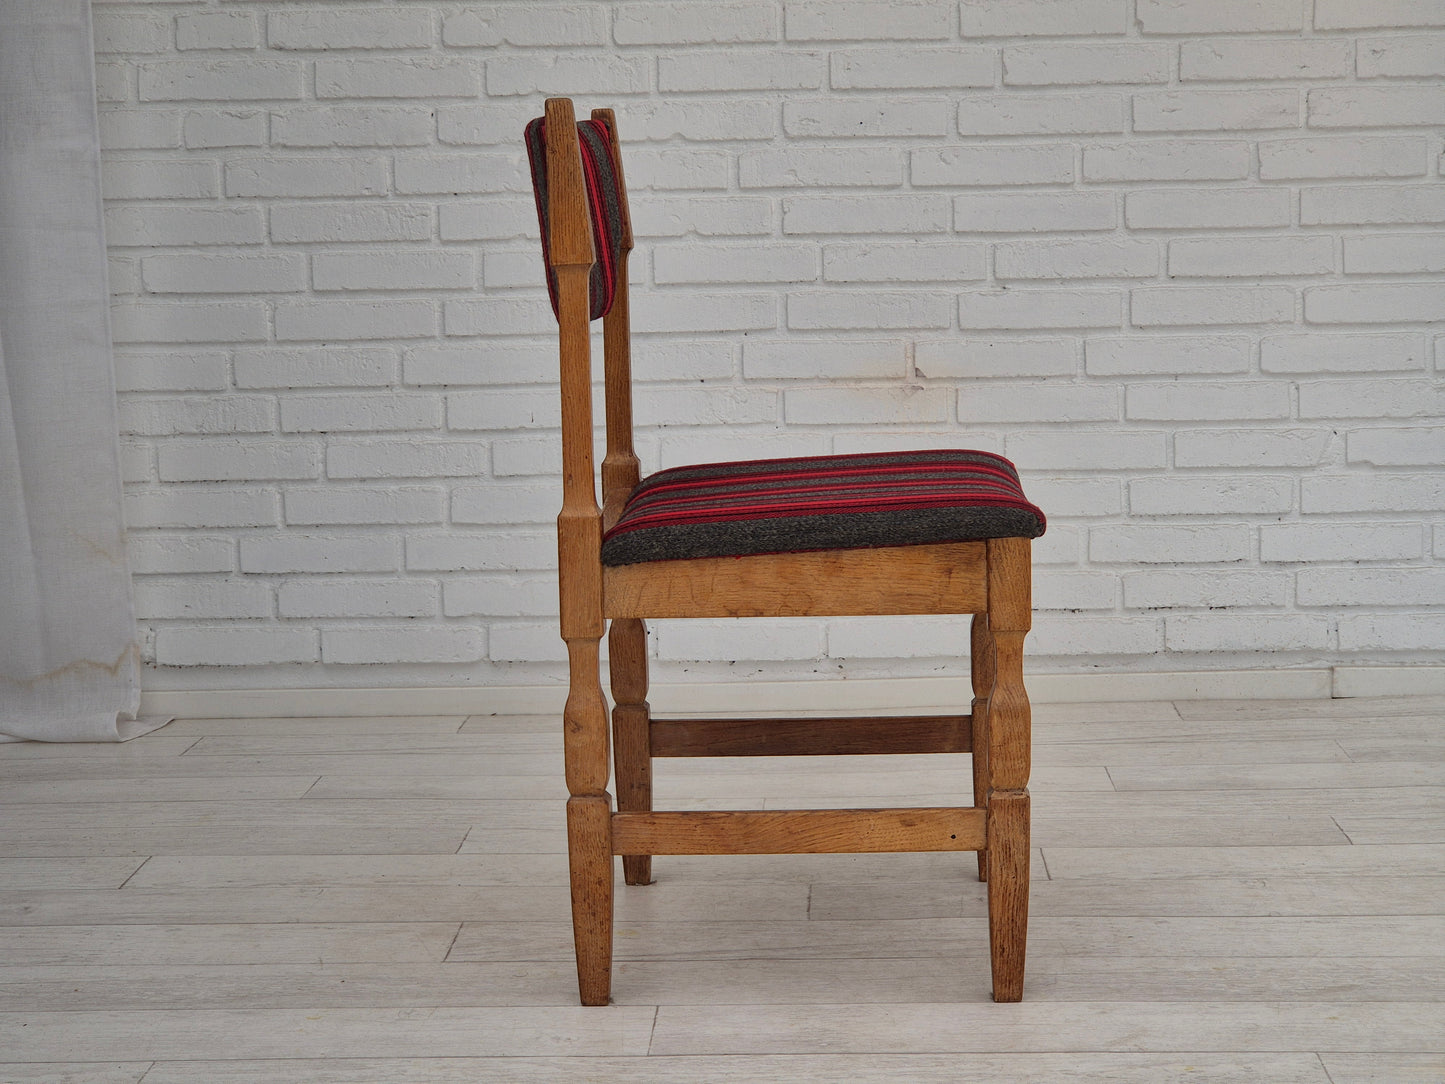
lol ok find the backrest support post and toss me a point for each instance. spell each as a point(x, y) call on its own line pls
point(579, 526)
point(621, 470)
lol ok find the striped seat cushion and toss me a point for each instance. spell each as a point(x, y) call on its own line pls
point(819, 503)
point(604, 196)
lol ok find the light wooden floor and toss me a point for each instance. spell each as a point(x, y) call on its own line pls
point(1223, 892)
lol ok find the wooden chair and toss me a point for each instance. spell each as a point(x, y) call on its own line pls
point(912, 533)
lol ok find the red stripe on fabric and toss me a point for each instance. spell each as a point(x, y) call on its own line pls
point(812, 487)
point(802, 509)
point(844, 493)
point(724, 495)
point(928, 481)
point(889, 468)
point(626, 527)
point(950, 455)
point(933, 471)
point(602, 283)
point(779, 482)
point(539, 169)
point(845, 463)
point(600, 239)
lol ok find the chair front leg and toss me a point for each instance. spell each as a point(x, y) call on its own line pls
point(1008, 891)
point(631, 732)
point(981, 667)
point(1007, 856)
point(589, 820)
point(1008, 766)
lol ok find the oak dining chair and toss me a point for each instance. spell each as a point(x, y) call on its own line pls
point(912, 532)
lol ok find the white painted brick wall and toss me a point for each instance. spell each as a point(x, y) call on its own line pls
point(1182, 261)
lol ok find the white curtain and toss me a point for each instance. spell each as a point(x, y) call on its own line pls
point(69, 658)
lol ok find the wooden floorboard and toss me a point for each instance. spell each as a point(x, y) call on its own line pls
point(900, 980)
point(1199, 897)
point(1229, 892)
point(1340, 936)
point(735, 1069)
point(1398, 1027)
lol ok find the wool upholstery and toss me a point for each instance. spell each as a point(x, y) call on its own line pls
point(599, 173)
point(821, 502)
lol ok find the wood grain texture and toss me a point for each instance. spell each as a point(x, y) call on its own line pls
point(1366, 937)
point(31, 874)
point(1008, 891)
point(747, 1069)
point(942, 579)
point(44, 792)
point(1409, 1027)
point(74, 1072)
point(1272, 778)
point(947, 979)
point(812, 736)
point(1389, 1068)
point(1382, 860)
point(631, 731)
point(865, 979)
point(589, 848)
point(981, 664)
point(233, 944)
point(1204, 896)
point(579, 525)
point(1007, 764)
point(620, 467)
point(1258, 959)
point(585, 741)
point(579, 542)
point(222, 1034)
point(1009, 721)
point(799, 831)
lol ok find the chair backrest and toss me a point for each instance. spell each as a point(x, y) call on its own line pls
point(606, 205)
point(586, 239)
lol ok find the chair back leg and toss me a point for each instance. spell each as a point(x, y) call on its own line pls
point(589, 820)
point(631, 732)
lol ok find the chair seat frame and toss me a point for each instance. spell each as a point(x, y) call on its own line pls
point(989, 579)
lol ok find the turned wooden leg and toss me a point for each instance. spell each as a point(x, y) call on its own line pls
point(1009, 612)
point(589, 821)
point(631, 722)
point(981, 665)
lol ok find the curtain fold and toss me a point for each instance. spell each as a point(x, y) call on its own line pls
point(69, 657)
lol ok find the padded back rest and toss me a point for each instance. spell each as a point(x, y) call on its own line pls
point(604, 201)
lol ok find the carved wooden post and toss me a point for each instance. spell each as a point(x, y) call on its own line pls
point(584, 719)
point(1009, 616)
point(621, 471)
point(579, 544)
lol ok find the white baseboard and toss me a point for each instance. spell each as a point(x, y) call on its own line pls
point(1389, 681)
point(850, 695)
point(1181, 685)
point(342, 703)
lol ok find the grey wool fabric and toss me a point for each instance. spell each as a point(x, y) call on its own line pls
point(818, 503)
